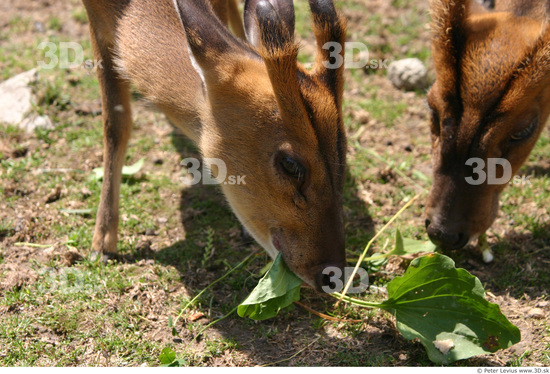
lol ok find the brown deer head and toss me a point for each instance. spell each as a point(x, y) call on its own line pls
point(489, 102)
point(277, 125)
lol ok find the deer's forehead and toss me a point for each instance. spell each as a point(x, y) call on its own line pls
point(492, 52)
point(487, 68)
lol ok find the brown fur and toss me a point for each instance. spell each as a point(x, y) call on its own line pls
point(492, 73)
point(254, 107)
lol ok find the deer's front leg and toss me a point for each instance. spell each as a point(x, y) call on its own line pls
point(117, 126)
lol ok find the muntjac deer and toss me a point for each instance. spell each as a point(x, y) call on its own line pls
point(489, 104)
point(254, 107)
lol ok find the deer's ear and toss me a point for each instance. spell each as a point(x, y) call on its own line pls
point(284, 10)
point(210, 41)
point(448, 37)
point(279, 52)
point(531, 74)
point(330, 31)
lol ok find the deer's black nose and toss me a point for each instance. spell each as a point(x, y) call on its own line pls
point(330, 278)
point(446, 237)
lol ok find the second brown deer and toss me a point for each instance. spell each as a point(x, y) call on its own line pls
point(252, 106)
point(490, 101)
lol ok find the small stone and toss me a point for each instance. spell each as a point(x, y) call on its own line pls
point(54, 195)
point(444, 346)
point(20, 224)
point(543, 304)
point(85, 192)
point(88, 109)
point(150, 232)
point(536, 313)
point(39, 27)
point(361, 116)
point(489, 4)
point(16, 98)
point(144, 247)
point(408, 74)
point(31, 123)
point(71, 257)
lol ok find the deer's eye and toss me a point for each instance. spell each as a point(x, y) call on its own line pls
point(526, 132)
point(293, 168)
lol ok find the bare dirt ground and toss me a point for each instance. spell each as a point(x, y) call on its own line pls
point(128, 322)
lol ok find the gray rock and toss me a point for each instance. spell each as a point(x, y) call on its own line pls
point(489, 4)
point(408, 74)
point(17, 100)
point(39, 27)
point(537, 313)
point(16, 97)
point(34, 122)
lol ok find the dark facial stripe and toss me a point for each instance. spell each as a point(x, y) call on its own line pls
point(334, 168)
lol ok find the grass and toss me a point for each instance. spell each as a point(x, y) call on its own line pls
point(91, 313)
point(55, 24)
point(80, 15)
point(70, 308)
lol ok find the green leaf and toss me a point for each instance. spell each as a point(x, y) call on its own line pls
point(278, 289)
point(126, 170)
point(404, 246)
point(444, 306)
point(133, 169)
point(373, 266)
point(180, 362)
point(97, 174)
point(167, 356)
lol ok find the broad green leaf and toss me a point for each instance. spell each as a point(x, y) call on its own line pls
point(278, 289)
point(126, 170)
point(167, 356)
point(444, 306)
point(404, 246)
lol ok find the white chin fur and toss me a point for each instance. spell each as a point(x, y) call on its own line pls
point(270, 249)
